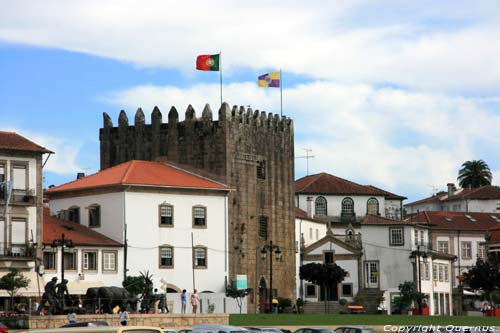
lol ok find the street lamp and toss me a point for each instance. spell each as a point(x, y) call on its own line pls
point(415, 259)
point(62, 243)
point(263, 254)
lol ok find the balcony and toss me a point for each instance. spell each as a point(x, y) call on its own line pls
point(424, 246)
point(22, 197)
point(16, 251)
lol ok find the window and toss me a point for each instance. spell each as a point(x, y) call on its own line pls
point(310, 233)
point(166, 215)
point(446, 273)
point(74, 214)
point(441, 273)
point(347, 208)
point(466, 250)
point(425, 271)
point(200, 257)
point(166, 257)
point(498, 205)
point(320, 206)
point(317, 234)
point(94, 216)
point(70, 261)
point(261, 169)
point(434, 272)
point(456, 207)
point(346, 289)
point(263, 227)
point(396, 237)
point(89, 261)
point(3, 190)
point(199, 216)
point(443, 247)
point(49, 260)
point(109, 261)
point(416, 237)
point(20, 173)
point(372, 206)
point(18, 231)
point(481, 251)
point(310, 290)
point(328, 257)
point(421, 237)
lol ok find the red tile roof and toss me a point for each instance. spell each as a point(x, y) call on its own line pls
point(302, 214)
point(324, 183)
point(379, 220)
point(494, 235)
point(456, 220)
point(54, 227)
point(141, 173)
point(481, 193)
point(435, 198)
point(14, 141)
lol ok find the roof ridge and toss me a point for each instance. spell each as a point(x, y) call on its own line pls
point(127, 172)
point(313, 180)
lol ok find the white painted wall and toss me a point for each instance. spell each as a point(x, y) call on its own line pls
point(334, 203)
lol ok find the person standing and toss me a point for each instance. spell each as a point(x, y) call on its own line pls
point(195, 299)
point(72, 317)
point(183, 301)
point(123, 317)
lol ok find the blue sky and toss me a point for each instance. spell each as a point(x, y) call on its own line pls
point(392, 94)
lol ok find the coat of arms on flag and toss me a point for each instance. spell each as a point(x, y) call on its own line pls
point(270, 80)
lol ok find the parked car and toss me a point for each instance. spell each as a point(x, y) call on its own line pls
point(86, 324)
point(353, 329)
point(210, 328)
point(265, 329)
point(3, 328)
point(313, 330)
point(185, 331)
point(169, 330)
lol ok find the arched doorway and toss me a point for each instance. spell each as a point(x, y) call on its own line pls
point(263, 296)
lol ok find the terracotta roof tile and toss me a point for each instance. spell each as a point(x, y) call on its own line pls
point(14, 141)
point(143, 173)
point(302, 214)
point(457, 220)
point(481, 193)
point(324, 183)
point(435, 198)
point(54, 227)
point(379, 220)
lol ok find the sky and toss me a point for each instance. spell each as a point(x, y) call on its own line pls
point(396, 94)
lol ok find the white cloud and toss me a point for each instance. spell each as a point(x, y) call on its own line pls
point(389, 137)
point(326, 40)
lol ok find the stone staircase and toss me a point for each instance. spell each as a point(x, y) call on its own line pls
point(370, 299)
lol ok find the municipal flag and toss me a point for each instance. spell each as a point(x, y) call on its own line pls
point(270, 80)
point(208, 62)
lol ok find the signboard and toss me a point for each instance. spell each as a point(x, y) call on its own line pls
point(241, 282)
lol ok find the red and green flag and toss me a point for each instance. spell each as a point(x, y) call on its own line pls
point(208, 62)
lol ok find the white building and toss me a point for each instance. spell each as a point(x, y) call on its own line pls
point(92, 260)
point(173, 223)
point(484, 199)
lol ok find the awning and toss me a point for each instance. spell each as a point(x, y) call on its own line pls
point(33, 289)
point(80, 287)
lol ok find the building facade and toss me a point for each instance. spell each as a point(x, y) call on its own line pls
point(251, 152)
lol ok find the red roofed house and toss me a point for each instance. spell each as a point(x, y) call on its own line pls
point(485, 199)
point(94, 260)
point(172, 222)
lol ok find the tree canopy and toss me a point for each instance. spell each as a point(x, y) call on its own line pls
point(474, 174)
point(485, 275)
point(322, 274)
point(13, 281)
point(134, 285)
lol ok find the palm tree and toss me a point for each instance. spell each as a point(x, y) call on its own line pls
point(474, 174)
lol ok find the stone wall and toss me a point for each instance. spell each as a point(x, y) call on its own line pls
point(157, 320)
point(231, 149)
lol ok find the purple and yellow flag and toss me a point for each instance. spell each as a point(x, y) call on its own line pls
point(272, 79)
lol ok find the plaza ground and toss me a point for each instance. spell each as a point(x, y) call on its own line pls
point(361, 319)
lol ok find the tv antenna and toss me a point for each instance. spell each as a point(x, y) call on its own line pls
point(307, 157)
point(434, 189)
point(86, 169)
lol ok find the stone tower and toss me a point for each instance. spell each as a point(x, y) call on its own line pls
point(252, 152)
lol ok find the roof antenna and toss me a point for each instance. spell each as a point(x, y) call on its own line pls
point(307, 157)
point(434, 189)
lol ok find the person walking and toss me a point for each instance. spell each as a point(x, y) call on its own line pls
point(195, 299)
point(183, 301)
point(123, 317)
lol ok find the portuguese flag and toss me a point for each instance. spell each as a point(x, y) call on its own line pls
point(208, 62)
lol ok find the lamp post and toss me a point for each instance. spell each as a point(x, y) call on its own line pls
point(63, 242)
point(415, 259)
point(263, 254)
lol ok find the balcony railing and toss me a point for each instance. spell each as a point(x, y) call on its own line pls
point(16, 251)
point(18, 196)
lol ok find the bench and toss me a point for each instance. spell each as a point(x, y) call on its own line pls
point(356, 309)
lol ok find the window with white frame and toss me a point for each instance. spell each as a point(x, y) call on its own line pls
point(441, 273)
point(443, 247)
point(435, 272)
point(446, 273)
point(166, 215)
point(310, 290)
point(18, 231)
point(425, 271)
point(70, 261)
point(200, 257)
point(466, 250)
point(166, 256)
point(416, 236)
point(347, 208)
point(372, 207)
point(89, 261)
point(49, 261)
point(320, 206)
point(481, 250)
point(421, 237)
point(20, 173)
point(396, 236)
point(109, 261)
point(199, 216)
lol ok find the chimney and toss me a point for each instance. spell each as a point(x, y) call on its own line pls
point(451, 189)
point(80, 175)
point(309, 207)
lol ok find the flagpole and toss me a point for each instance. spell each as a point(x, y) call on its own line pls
point(220, 71)
point(281, 93)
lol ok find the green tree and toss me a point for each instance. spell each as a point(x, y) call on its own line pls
point(474, 174)
point(237, 294)
point(134, 285)
point(485, 275)
point(409, 294)
point(12, 282)
point(325, 275)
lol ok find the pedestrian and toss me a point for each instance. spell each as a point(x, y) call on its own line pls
point(485, 308)
point(123, 317)
point(183, 301)
point(195, 299)
point(72, 317)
